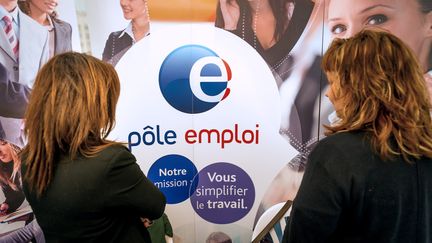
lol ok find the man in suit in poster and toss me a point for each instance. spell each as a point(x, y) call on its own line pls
point(32, 38)
point(22, 60)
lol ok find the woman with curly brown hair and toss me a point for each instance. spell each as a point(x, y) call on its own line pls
point(369, 180)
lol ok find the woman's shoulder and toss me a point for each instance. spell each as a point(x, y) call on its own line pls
point(343, 139)
point(116, 33)
point(116, 37)
point(109, 153)
point(58, 22)
point(114, 150)
point(342, 146)
point(342, 155)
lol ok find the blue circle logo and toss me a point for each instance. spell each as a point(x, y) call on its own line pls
point(194, 79)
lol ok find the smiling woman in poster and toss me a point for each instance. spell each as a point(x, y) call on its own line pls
point(59, 32)
point(410, 20)
point(139, 27)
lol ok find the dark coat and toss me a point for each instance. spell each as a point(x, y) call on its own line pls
point(97, 199)
point(349, 194)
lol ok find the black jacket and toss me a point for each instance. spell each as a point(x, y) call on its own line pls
point(348, 194)
point(98, 199)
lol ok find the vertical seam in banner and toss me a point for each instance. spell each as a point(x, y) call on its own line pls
point(321, 71)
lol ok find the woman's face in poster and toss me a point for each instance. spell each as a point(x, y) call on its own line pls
point(133, 8)
point(5, 152)
point(402, 18)
point(44, 6)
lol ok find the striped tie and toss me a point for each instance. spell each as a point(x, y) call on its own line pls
point(10, 34)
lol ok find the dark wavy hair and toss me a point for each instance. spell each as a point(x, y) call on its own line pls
point(381, 84)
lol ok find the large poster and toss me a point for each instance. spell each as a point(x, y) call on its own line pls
point(221, 100)
point(220, 113)
point(201, 121)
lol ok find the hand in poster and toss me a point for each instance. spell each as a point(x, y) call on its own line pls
point(231, 13)
point(3, 209)
point(147, 222)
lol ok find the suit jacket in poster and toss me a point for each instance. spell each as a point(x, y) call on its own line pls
point(63, 36)
point(32, 50)
point(33, 53)
point(34, 47)
point(116, 46)
point(13, 98)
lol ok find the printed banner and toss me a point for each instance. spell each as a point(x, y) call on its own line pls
point(221, 100)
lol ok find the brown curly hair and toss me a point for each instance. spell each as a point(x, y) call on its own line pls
point(384, 92)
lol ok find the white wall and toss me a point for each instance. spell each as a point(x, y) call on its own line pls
point(67, 12)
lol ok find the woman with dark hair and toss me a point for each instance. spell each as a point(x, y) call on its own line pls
point(81, 186)
point(272, 27)
point(369, 180)
point(43, 12)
